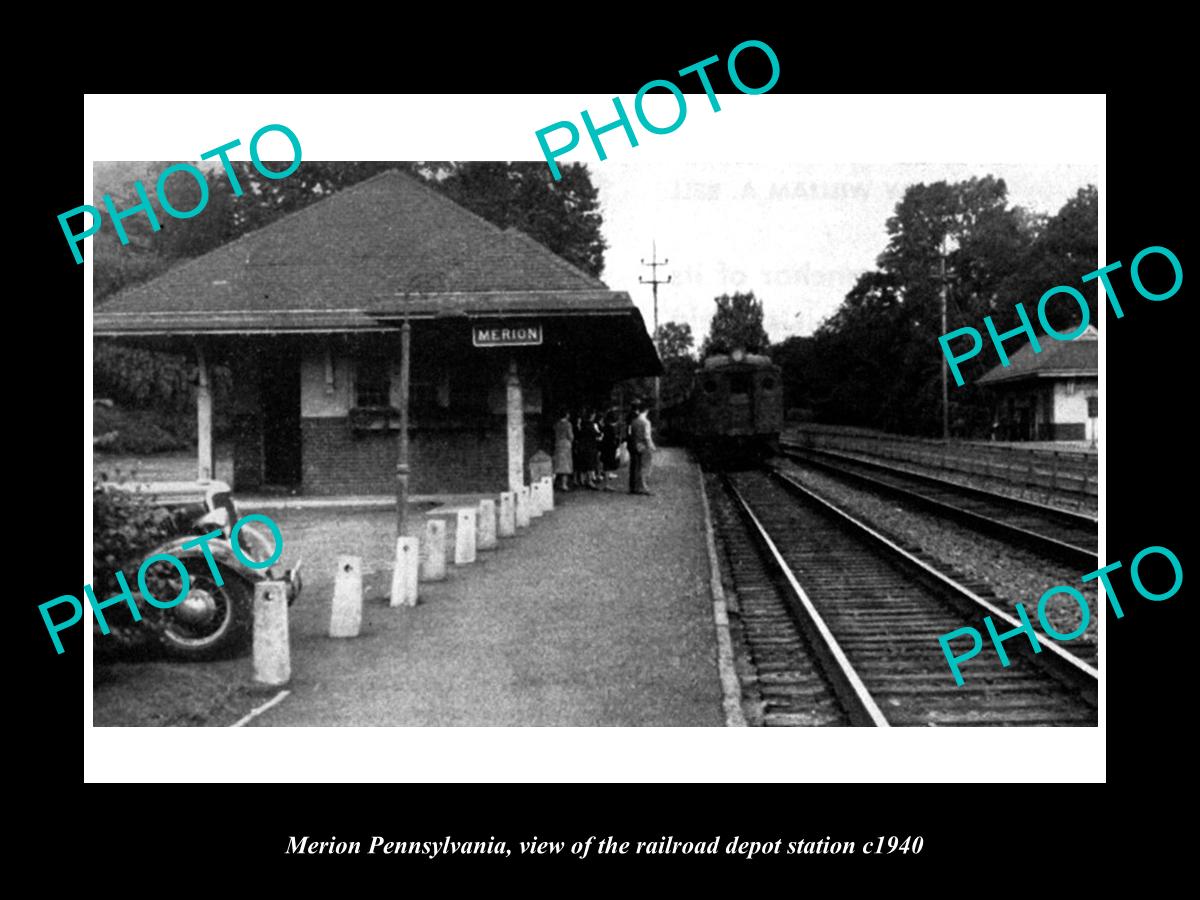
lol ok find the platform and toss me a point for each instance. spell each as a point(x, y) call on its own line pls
point(599, 613)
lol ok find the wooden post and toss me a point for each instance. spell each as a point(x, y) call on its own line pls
point(204, 443)
point(515, 414)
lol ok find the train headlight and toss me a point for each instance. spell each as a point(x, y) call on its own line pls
point(738, 355)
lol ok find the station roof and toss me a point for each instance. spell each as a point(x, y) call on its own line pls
point(360, 260)
point(1058, 359)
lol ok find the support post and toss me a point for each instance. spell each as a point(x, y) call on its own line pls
point(945, 362)
point(515, 414)
point(204, 442)
point(402, 450)
point(405, 567)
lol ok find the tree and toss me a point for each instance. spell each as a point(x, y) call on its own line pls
point(876, 361)
point(563, 215)
point(674, 341)
point(737, 324)
point(675, 344)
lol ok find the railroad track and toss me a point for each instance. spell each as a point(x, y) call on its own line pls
point(1058, 534)
point(843, 624)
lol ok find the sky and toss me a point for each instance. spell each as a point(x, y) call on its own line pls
point(798, 235)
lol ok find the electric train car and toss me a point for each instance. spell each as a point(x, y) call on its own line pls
point(735, 407)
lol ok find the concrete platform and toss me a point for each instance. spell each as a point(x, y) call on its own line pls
point(599, 613)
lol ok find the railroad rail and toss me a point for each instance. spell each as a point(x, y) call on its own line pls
point(1059, 534)
point(870, 614)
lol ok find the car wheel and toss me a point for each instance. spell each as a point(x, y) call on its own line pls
point(212, 622)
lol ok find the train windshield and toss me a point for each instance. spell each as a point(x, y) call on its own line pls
point(740, 383)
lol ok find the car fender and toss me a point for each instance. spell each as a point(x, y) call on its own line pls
point(221, 552)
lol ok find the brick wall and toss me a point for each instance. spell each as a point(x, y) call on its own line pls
point(1065, 431)
point(338, 461)
point(247, 452)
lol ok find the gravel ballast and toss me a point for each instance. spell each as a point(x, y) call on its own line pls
point(1012, 573)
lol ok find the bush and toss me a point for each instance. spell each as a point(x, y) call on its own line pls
point(125, 527)
point(137, 432)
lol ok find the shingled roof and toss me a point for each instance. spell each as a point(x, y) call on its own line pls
point(1058, 359)
point(382, 248)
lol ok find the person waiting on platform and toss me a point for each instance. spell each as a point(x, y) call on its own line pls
point(631, 448)
point(642, 440)
point(564, 439)
point(610, 447)
point(587, 441)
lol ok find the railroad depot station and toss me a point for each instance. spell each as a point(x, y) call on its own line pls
point(597, 613)
point(774, 593)
point(1048, 396)
point(307, 313)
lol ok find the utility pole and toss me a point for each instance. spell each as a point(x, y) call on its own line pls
point(945, 363)
point(654, 282)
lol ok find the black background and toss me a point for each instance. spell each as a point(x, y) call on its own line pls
point(971, 831)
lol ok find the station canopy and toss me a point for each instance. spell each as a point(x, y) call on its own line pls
point(1075, 358)
point(365, 258)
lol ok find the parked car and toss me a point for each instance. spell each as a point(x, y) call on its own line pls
point(214, 620)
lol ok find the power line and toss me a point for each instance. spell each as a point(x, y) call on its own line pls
point(654, 281)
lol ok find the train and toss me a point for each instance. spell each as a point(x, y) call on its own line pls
point(734, 408)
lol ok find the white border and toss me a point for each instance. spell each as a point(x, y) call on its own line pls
point(799, 128)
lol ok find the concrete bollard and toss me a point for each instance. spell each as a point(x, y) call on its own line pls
point(521, 506)
point(507, 523)
point(406, 572)
point(433, 551)
point(537, 505)
point(548, 493)
point(485, 536)
point(464, 538)
point(345, 619)
point(272, 656)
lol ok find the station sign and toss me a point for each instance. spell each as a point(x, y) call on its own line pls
point(509, 334)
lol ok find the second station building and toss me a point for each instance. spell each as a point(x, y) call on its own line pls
point(306, 312)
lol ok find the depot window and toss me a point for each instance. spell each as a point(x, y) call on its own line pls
point(372, 383)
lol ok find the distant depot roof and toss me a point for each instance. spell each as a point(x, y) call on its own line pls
point(1058, 359)
point(366, 254)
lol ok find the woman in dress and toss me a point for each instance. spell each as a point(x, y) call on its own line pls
point(610, 446)
point(587, 439)
point(564, 438)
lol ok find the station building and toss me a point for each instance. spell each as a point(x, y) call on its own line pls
point(307, 311)
point(1048, 396)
